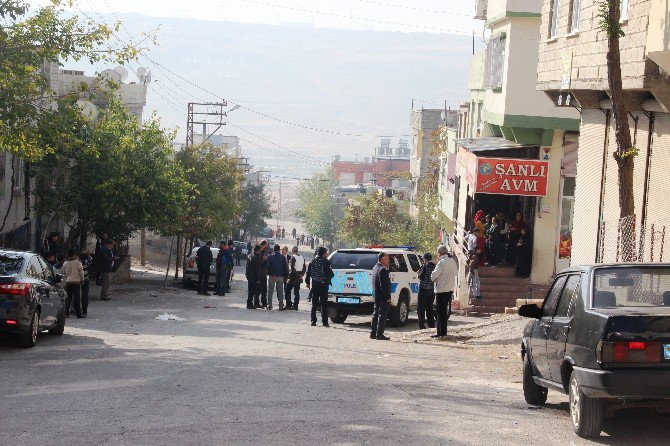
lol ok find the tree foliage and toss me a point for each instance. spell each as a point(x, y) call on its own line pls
point(319, 212)
point(29, 38)
point(113, 176)
point(374, 219)
point(213, 208)
point(256, 200)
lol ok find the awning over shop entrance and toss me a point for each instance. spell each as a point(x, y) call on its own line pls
point(499, 166)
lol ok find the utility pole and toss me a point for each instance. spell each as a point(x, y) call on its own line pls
point(198, 114)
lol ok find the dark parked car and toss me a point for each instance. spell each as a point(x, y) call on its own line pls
point(602, 336)
point(31, 299)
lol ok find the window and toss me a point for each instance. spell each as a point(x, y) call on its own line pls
point(624, 10)
point(48, 270)
point(495, 61)
point(574, 15)
point(414, 262)
point(631, 286)
point(354, 259)
point(34, 269)
point(553, 24)
point(566, 304)
point(398, 263)
point(551, 302)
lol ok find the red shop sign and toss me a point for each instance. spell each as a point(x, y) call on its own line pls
point(512, 177)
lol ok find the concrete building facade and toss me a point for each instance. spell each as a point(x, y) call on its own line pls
point(572, 63)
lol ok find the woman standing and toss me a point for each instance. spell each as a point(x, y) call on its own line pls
point(524, 255)
point(494, 239)
point(73, 271)
point(515, 229)
point(86, 261)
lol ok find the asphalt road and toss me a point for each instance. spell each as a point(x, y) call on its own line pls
point(227, 375)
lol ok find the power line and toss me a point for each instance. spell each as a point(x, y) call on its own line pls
point(413, 8)
point(284, 155)
point(292, 152)
point(343, 16)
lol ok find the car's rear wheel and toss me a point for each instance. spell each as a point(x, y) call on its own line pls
point(400, 313)
point(339, 318)
point(29, 339)
point(59, 329)
point(533, 393)
point(587, 413)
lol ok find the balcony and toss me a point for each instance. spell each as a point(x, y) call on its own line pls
point(658, 36)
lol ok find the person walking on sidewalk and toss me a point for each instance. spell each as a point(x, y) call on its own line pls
point(382, 296)
point(426, 293)
point(287, 296)
point(74, 276)
point(106, 267)
point(278, 274)
point(319, 275)
point(253, 273)
point(444, 277)
point(204, 259)
point(296, 273)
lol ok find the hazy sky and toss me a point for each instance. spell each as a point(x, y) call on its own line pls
point(453, 16)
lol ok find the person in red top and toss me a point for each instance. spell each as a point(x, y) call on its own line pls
point(515, 229)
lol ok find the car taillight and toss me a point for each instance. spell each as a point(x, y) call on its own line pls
point(15, 289)
point(629, 352)
point(191, 263)
point(11, 322)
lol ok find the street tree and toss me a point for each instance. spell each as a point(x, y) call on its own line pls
point(29, 38)
point(256, 200)
point(610, 23)
point(112, 176)
point(213, 207)
point(318, 212)
point(375, 219)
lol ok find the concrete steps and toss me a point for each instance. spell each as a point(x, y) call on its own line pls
point(500, 289)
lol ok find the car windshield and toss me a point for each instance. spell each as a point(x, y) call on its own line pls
point(631, 287)
point(353, 259)
point(10, 264)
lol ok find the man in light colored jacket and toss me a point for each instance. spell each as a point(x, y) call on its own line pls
point(444, 277)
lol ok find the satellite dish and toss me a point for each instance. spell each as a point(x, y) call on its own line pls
point(122, 72)
point(141, 72)
point(110, 75)
point(88, 109)
point(147, 77)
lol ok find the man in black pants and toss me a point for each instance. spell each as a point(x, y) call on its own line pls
point(444, 277)
point(204, 259)
point(426, 293)
point(253, 274)
point(382, 295)
point(318, 279)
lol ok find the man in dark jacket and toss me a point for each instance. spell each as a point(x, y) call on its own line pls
point(382, 295)
point(106, 267)
point(253, 273)
point(265, 252)
point(238, 255)
point(319, 275)
point(278, 274)
point(221, 270)
point(204, 259)
point(426, 293)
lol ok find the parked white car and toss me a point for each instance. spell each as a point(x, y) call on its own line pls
point(351, 289)
point(190, 276)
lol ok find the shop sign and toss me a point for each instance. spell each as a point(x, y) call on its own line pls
point(467, 167)
point(512, 177)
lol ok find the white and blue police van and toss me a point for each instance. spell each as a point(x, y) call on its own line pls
point(351, 288)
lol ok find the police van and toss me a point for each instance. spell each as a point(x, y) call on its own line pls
point(351, 288)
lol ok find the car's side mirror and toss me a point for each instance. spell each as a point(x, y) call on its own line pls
point(531, 311)
point(59, 278)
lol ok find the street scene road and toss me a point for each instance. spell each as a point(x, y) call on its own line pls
point(221, 374)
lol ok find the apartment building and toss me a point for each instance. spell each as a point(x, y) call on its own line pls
point(573, 66)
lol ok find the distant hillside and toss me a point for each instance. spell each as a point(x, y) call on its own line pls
point(358, 82)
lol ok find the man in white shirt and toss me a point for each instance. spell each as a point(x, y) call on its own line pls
point(444, 277)
point(296, 273)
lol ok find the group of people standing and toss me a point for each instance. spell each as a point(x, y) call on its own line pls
point(75, 268)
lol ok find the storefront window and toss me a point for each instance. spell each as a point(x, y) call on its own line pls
point(567, 211)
